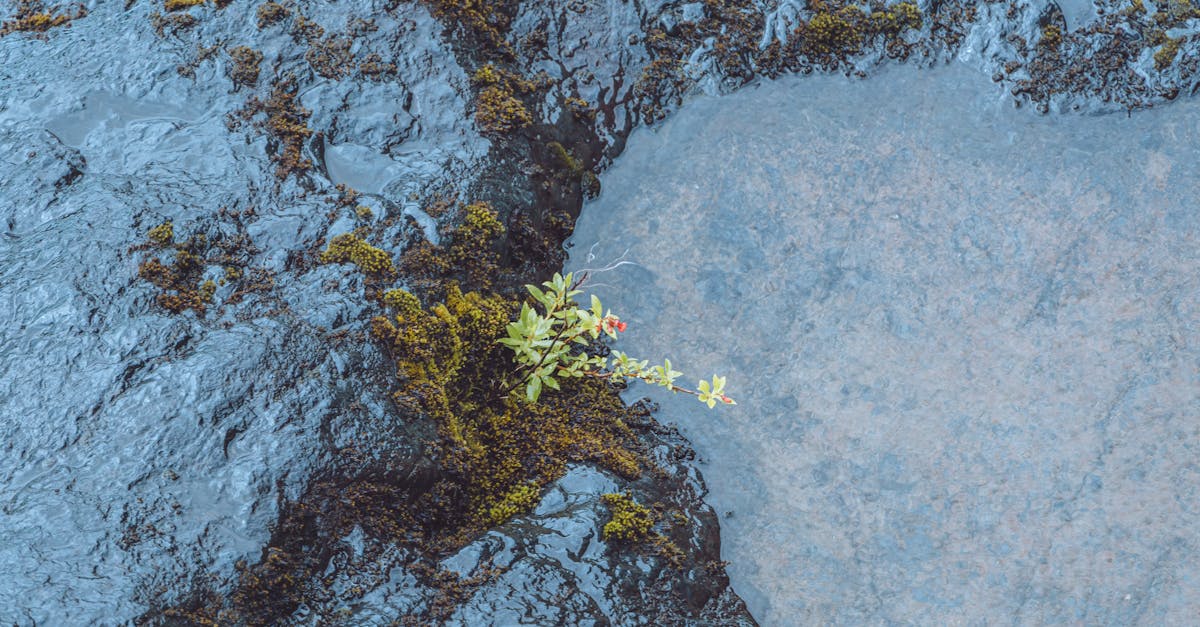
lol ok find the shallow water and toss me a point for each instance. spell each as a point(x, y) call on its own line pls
point(965, 340)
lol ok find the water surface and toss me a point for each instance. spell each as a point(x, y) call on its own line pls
point(965, 340)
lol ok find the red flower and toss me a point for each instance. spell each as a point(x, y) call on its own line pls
point(621, 327)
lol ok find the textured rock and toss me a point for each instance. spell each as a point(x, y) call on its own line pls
point(150, 458)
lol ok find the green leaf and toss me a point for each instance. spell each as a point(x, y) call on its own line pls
point(534, 389)
point(718, 385)
point(538, 295)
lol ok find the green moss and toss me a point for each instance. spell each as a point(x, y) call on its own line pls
point(287, 124)
point(519, 500)
point(469, 257)
point(630, 520)
point(349, 247)
point(498, 111)
point(896, 19)
point(834, 32)
point(499, 452)
point(403, 302)
point(181, 5)
point(1052, 37)
point(480, 226)
point(206, 290)
point(31, 16)
point(568, 162)
point(1166, 55)
point(498, 108)
point(482, 20)
point(269, 13)
point(1173, 13)
point(487, 75)
point(162, 235)
point(180, 281)
point(245, 67)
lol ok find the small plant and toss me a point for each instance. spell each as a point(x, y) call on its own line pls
point(552, 344)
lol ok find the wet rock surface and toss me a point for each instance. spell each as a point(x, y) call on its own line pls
point(184, 417)
point(158, 463)
point(963, 339)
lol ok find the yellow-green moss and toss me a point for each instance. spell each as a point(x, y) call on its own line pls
point(896, 19)
point(501, 452)
point(206, 291)
point(470, 255)
point(271, 12)
point(162, 235)
point(471, 244)
point(1173, 13)
point(287, 123)
point(349, 247)
point(478, 19)
point(364, 212)
point(403, 302)
point(630, 520)
point(179, 281)
point(31, 16)
point(487, 75)
point(1051, 36)
point(519, 500)
point(499, 111)
point(480, 226)
point(181, 5)
point(569, 162)
point(1166, 55)
point(834, 32)
point(245, 67)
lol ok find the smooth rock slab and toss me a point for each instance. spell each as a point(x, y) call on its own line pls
point(965, 340)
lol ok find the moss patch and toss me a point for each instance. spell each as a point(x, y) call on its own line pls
point(180, 277)
point(1052, 37)
point(498, 107)
point(269, 13)
point(470, 257)
point(1167, 53)
point(350, 247)
point(485, 21)
point(31, 16)
point(630, 521)
point(286, 122)
point(245, 67)
point(497, 452)
point(181, 5)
